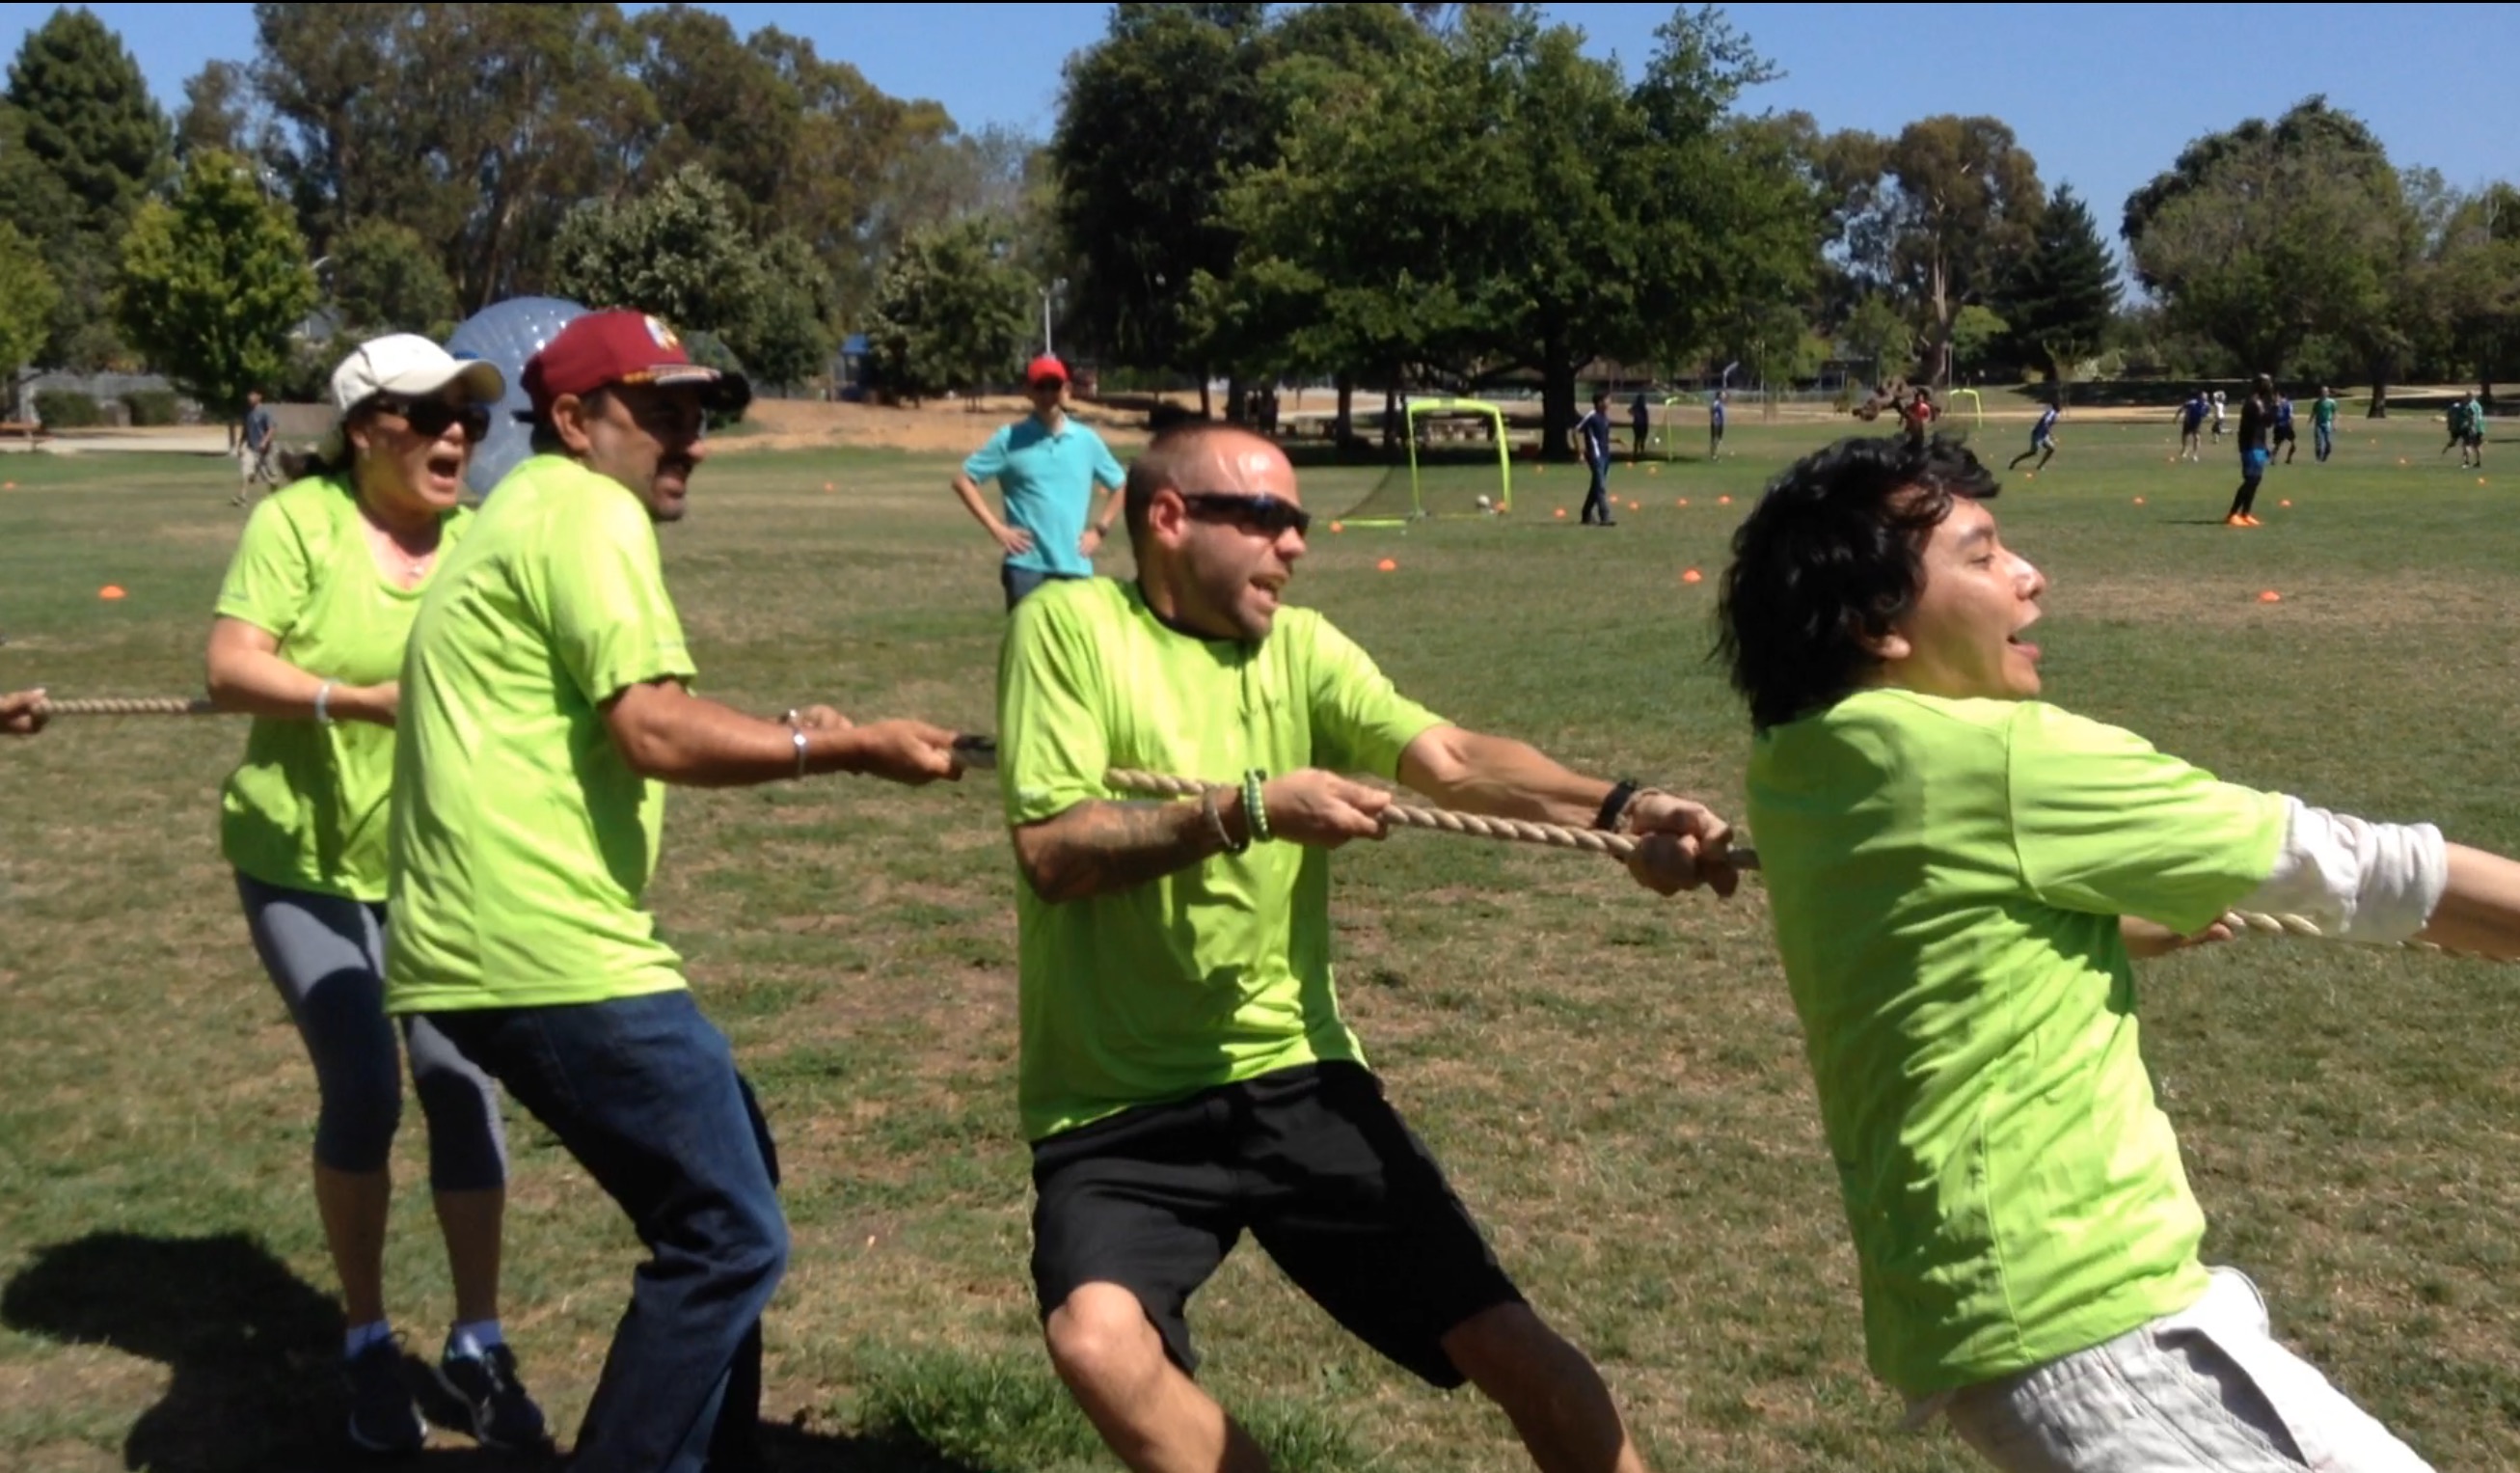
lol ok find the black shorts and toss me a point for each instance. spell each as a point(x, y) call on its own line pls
point(2284, 434)
point(1337, 1188)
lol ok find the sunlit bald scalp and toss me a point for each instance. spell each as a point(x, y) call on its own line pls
point(1201, 457)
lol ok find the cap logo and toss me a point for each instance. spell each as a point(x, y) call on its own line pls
point(663, 335)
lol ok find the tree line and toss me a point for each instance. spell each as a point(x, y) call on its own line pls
point(1396, 195)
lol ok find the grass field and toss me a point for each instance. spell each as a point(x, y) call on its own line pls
point(1615, 1082)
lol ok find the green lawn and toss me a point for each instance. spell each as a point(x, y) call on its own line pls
point(1616, 1082)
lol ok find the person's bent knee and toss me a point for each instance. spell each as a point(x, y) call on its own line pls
point(355, 1126)
point(1100, 1336)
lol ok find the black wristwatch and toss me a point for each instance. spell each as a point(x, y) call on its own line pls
point(1608, 821)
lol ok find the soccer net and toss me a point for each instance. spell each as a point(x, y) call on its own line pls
point(1459, 465)
point(1976, 406)
point(1673, 426)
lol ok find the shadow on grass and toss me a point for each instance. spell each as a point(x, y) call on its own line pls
point(255, 1350)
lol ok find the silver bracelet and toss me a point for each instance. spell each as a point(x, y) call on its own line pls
point(323, 700)
point(796, 734)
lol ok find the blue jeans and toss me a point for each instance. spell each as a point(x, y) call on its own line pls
point(2324, 437)
point(1600, 495)
point(1021, 583)
point(644, 1092)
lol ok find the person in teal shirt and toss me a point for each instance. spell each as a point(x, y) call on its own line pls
point(312, 621)
point(2322, 423)
point(1047, 466)
point(1959, 874)
point(1184, 1071)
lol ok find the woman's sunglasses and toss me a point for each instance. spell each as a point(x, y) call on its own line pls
point(429, 418)
point(1260, 513)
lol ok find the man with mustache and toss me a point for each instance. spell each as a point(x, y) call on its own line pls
point(1184, 1071)
point(545, 704)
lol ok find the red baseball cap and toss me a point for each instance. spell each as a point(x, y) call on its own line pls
point(1045, 367)
point(623, 347)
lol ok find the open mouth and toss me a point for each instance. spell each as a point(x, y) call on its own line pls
point(446, 466)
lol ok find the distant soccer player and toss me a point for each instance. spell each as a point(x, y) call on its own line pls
point(2323, 424)
point(1593, 437)
point(2191, 427)
point(2042, 440)
point(1641, 420)
point(2454, 419)
point(2218, 414)
point(2472, 454)
point(1919, 414)
point(1715, 425)
point(2283, 434)
point(2257, 415)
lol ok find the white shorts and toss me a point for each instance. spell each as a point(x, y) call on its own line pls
point(2204, 1389)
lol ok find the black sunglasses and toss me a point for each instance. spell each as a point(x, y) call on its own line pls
point(429, 418)
point(1259, 512)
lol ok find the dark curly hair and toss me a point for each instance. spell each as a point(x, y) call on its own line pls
point(1829, 558)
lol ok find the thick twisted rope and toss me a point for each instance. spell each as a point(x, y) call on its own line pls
point(982, 752)
point(1742, 858)
point(134, 705)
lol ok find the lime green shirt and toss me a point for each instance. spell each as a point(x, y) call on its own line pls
point(523, 842)
point(306, 809)
point(1947, 879)
point(1208, 975)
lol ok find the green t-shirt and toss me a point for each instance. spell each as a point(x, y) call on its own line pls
point(1208, 975)
point(1947, 879)
point(522, 842)
point(2324, 413)
point(306, 810)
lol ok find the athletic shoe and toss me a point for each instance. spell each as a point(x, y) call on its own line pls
point(501, 1414)
point(384, 1417)
point(2253, 522)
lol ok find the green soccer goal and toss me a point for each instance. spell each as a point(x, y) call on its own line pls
point(1459, 465)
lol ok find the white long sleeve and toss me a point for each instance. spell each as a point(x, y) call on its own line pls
point(2363, 881)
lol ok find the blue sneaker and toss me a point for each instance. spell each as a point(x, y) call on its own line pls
point(499, 1413)
point(384, 1417)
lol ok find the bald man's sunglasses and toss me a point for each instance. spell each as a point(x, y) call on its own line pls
point(1260, 513)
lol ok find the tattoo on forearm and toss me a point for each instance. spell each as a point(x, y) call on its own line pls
point(1100, 846)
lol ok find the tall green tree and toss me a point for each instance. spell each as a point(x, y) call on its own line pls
point(2270, 238)
point(2476, 267)
point(384, 279)
point(1154, 122)
point(217, 112)
point(214, 280)
point(478, 126)
point(952, 313)
point(2063, 292)
point(1959, 201)
point(89, 117)
point(92, 144)
point(27, 299)
point(679, 250)
point(1877, 332)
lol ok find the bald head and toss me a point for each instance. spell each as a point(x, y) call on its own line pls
point(1201, 457)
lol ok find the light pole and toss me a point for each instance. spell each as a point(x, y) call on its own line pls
point(1055, 289)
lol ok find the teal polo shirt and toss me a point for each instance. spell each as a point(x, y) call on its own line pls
point(1048, 480)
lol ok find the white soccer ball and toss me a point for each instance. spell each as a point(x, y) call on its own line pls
point(1485, 505)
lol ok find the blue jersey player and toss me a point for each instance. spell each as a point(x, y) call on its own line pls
point(2042, 440)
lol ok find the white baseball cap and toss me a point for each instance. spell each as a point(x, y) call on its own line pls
point(405, 363)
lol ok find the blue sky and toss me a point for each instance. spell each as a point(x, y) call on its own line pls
point(2103, 96)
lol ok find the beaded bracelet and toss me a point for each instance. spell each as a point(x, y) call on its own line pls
point(1255, 809)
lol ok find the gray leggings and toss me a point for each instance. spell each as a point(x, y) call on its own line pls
point(326, 955)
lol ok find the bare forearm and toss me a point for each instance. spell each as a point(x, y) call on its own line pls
point(1101, 848)
point(969, 494)
point(2480, 906)
point(259, 682)
point(668, 734)
point(1499, 777)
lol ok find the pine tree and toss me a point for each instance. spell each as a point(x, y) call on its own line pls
point(2061, 295)
point(85, 146)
